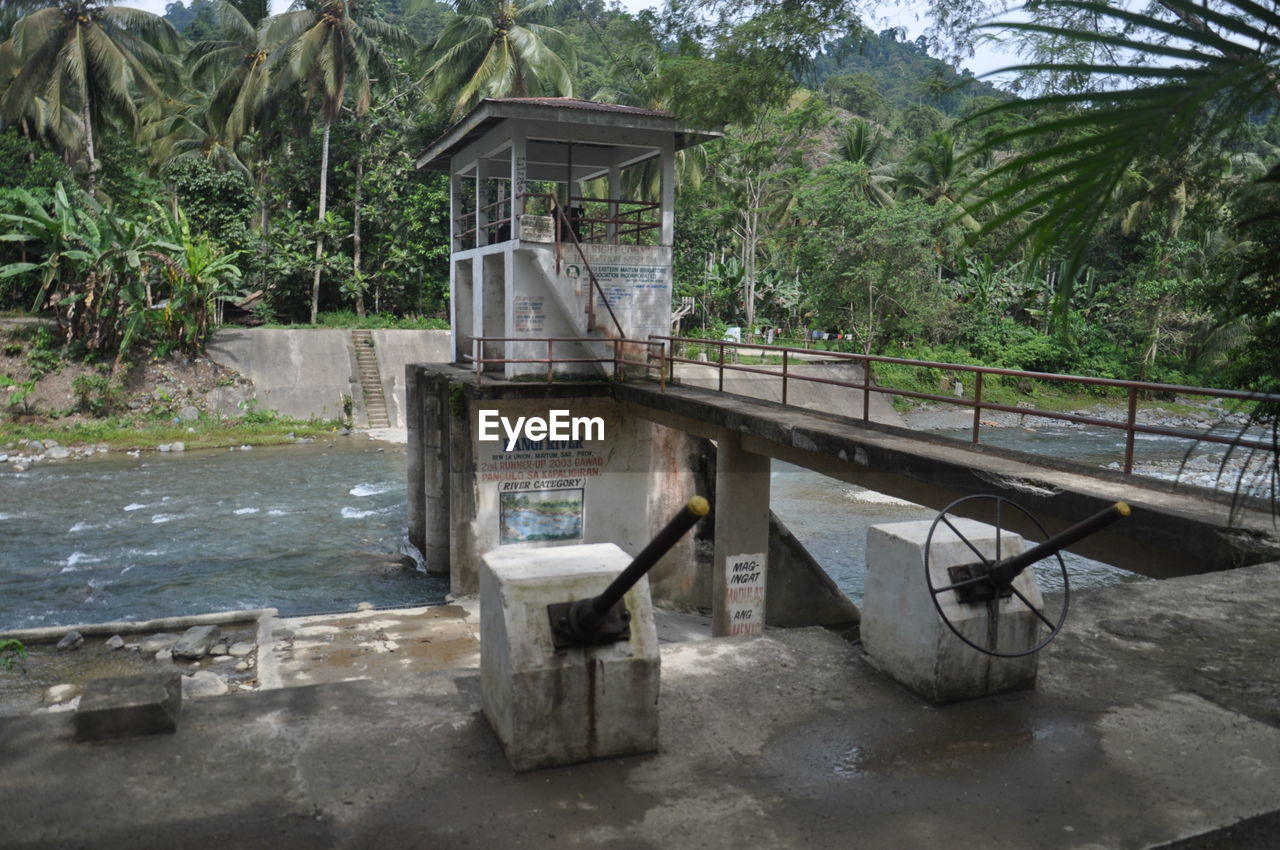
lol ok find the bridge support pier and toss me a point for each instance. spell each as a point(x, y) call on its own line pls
point(742, 539)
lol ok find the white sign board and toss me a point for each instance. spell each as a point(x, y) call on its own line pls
point(744, 589)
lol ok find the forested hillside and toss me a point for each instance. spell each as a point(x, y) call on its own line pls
point(1115, 221)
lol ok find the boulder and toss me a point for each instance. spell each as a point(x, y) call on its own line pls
point(157, 642)
point(72, 640)
point(364, 606)
point(114, 642)
point(196, 641)
point(178, 446)
point(241, 648)
point(59, 453)
point(188, 413)
point(60, 693)
point(203, 684)
point(219, 648)
point(164, 655)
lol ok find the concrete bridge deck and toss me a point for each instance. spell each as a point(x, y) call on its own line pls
point(1156, 723)
point(1175, 530)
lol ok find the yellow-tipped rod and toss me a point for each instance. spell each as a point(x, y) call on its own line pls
point(696, 509)
point(1008, 569)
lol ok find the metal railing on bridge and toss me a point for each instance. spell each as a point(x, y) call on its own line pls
point(790, 356)
point(622, 353)
point(661, 353)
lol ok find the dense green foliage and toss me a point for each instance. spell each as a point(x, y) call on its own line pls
point(1115, 222)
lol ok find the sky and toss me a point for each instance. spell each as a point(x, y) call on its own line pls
point(905, 13)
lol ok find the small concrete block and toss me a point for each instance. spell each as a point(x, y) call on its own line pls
point(553, 707)
point(903, 634)
point(134, 705)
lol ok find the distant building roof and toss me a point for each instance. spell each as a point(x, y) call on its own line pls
point(564, 110)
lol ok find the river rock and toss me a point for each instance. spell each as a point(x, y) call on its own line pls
point(35, 446)
point(242, 666)
point(178, 446)
point(59, 693)
point(165, 654)
point(58, 453)
point(196, 641)
point(157, 642)
point(206, 683)
point(115, 642)
point(60, 706)
point(364, 606)
point(241, 648)
point(4, 458)
point(189, 412)
point(72, 640)
point(219, 648)
point(163, 447)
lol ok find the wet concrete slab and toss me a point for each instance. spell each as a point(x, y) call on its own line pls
point(1155, 723)
point(341, 647)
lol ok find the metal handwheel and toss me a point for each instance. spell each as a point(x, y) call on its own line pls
point(989, 580)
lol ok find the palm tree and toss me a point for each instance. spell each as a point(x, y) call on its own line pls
point(1191, 77)
point(234, 68)
point(328, 46)
point(934, 171)
point(85, 59)
point(497, 48)
point(862, 144)
point(193, 129)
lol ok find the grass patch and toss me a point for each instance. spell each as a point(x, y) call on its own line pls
point(346, 319)
point(203, 433)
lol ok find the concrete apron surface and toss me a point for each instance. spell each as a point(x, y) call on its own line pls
point(1154, 723)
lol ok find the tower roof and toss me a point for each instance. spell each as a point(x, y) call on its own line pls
point(567, 112)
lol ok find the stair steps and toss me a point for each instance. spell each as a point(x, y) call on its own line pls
point(375, 401)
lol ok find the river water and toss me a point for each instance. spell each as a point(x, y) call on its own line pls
point(321, 527)
point(311, 528)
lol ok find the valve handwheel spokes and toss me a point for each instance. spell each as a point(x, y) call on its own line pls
point(988, 581)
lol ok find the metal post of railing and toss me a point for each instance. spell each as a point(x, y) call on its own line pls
point(722, 367)
point(478, 348)
point(617, 360)
point(550, 360)
point(866, 390)
point(977, 405)
point(671, 360)
point(662, 366)
point(1128, 435)
point(784, 376)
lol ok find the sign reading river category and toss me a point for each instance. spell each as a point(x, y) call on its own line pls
point(744, 593)
point(540, 470)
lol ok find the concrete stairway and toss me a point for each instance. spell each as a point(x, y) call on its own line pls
point(375, 402)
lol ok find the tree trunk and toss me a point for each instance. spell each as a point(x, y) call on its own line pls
point(324, 202)
point(355, 232)
point(88, 146)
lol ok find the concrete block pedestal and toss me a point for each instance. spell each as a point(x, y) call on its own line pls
point(903, 634)
point(553, 707)
point(127, 706)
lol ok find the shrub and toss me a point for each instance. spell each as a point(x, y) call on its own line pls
point(98, 395)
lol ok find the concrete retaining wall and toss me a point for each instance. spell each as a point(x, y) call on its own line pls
point(397, 349)
point(306, 373)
